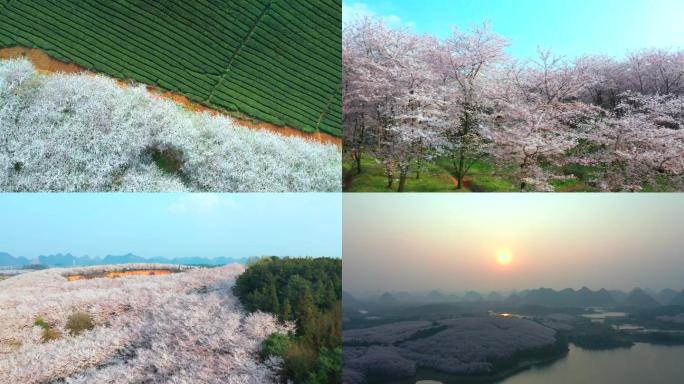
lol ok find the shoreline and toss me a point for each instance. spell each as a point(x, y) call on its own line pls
point(448, 378)
point(431, 374)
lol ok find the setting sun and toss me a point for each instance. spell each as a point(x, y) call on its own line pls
point(504, 257)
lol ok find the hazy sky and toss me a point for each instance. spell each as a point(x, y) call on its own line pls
point(419, 242)
point(569, 27)
point(171, 225)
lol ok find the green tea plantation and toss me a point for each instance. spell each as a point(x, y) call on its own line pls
point(273, 60)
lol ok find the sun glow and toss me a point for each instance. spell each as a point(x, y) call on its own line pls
point(504, 257)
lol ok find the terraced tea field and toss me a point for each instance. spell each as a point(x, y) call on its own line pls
point(276, 61)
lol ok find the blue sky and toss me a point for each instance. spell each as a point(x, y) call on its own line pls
point(172, 225)
point(570, 28)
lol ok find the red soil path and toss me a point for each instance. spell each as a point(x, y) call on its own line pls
point(46, 64)
point(113, 275)
point(466, 181)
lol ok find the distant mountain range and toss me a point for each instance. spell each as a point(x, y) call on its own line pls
point(472, 296)
point(678, 299)
point(666, 296)
point(68, 260)
point(583, 297)
point(7, 260)
point(568, 297)
point(639, 298)
point(387, 298)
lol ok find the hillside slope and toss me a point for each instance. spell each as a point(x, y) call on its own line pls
point(76, 132)
point(182, 327)
point(276, 61)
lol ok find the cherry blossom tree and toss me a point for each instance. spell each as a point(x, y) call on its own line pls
point(364, 86)
point(641, 143)
point(468, 345)
point(655, 71)
point(410, 99)
point(606, 80)
point(462, 63)
point(377, 68)
point(388, 83)
point(181, 327)
point(553, 79)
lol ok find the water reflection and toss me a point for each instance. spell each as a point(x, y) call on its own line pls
point(600, 316)
point(643, 363)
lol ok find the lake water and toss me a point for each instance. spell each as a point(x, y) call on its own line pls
point(600, 316)
point(643, 363)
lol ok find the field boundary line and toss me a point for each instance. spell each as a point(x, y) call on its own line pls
point(237, 51)
point(3, 7)
point(327, 107)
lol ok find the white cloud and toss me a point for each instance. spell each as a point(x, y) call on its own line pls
point(392, 20)
point(200, 203)
point(354, 11)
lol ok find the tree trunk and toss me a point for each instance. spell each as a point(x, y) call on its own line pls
point(361, 141)
point(417, 175)
point(390, 180)
point(358, 162)
point(459, 170)
point(402, 181)
point(523, 167)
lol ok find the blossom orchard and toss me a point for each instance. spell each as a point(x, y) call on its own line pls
point(410, 98)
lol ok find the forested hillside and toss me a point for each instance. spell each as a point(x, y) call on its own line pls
point(308, 292)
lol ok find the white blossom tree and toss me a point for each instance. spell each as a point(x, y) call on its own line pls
point(411, 99)
point(68, 132)
point(642, 142)
point(464, 63)
point(181, 327)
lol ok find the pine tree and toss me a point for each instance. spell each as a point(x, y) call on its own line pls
point(273, 299)
point(306, 313)
point(287, 310)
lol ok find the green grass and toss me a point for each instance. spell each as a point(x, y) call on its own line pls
point(168, 160)
point(584, 174)
point(276, 61)
point(662, 184)
point(373, 179)
point(571, 185)
point(483, 177)
point(79, 322)
point(48, 334)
